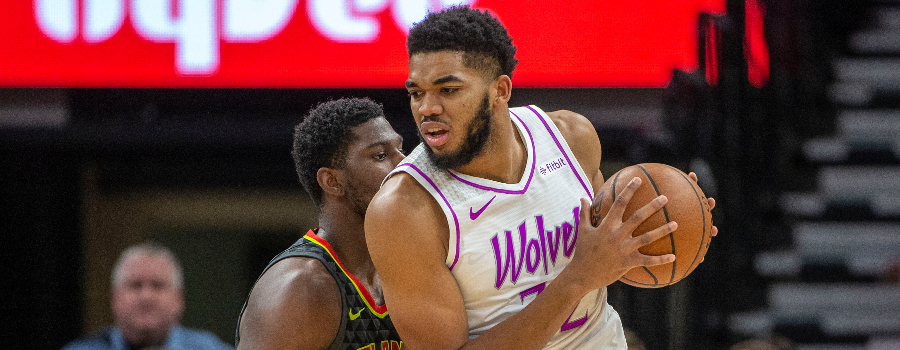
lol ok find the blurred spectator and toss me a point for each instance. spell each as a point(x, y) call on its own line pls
point(147, 304)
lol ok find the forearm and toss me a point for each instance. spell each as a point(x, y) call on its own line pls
point(533, 327)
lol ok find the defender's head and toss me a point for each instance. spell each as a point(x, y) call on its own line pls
point(345, 148)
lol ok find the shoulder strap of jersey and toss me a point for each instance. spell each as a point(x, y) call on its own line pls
point(305, 248)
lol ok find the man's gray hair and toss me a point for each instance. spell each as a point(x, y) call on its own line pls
point(148, 248)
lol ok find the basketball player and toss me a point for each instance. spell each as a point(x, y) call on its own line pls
point(474, 233)
point(323, 291)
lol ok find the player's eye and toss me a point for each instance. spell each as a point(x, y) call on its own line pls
point(380, 156)
point(449, 90)
point(414, 94)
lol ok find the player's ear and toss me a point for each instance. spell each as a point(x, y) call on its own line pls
point(330, 182)
point(503, 89)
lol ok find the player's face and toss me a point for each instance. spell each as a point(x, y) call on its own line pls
point(146, 302)
point(451, 104)
point(374, 152)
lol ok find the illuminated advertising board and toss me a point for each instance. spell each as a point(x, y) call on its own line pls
point(330, 43)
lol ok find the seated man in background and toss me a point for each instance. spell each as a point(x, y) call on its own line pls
point(147, 304)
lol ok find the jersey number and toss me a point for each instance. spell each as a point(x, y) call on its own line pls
point(569, 324)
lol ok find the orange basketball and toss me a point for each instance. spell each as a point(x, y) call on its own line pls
point(687, 206)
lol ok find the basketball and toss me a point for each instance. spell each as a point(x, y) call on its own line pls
point(687, 206)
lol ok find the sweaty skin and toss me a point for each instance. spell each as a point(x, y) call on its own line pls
point(407, 233)
point(296, 303)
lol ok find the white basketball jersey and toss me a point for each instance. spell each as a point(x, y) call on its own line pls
point(509, 241)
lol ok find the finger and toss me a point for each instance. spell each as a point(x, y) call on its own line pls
point(693, 176)
point(652, 260)
point(655, 234)
point(585, 213)
point(618, 207)
point(645, 212)
point(712, 202)
point(715, 231)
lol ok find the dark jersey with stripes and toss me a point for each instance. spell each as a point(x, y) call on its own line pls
point(364, 325)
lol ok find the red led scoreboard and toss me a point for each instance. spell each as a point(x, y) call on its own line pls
point(330, 43)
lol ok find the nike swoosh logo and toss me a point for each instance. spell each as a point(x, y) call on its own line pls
point(475, 215)
point(355, 316)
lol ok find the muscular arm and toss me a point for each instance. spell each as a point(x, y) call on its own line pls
point(582, 139)
point(294, 305)
point(407, 236)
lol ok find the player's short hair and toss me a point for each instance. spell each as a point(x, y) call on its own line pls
point(484, 42)
point(321, 139)
point(148, 248)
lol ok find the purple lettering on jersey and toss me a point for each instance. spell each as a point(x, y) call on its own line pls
point(532, 264)
point(510, 256)
point(554, 165)
point(522, 235)
point(567, 231)
point(570, 325)
point(553, 244)
point(540, 228)
point(534, 251)
point(537, 289)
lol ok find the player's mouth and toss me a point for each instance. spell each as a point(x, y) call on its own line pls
point(434, 133)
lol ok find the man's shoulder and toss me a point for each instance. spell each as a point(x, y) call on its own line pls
point(300, 269)
point(88, 343)
point(291, 284)
point(400, 197)
point(295, 271)
point(97, 341)
point(575, 128)
point(568, 121)
point(190, 338)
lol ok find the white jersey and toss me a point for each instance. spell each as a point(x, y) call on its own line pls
point(508, 241)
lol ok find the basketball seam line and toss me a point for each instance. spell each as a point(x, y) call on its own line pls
point(655, 281)
point(666, 214)
point(703, 213)
point(643, 284)
point(615, 180)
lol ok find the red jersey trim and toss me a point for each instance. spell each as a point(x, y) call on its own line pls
point(377, 310)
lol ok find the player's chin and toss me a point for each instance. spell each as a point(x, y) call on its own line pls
point(441, 150)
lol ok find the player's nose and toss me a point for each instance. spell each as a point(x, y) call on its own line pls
point(430, 105)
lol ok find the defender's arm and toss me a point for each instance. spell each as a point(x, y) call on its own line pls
point(294, 305)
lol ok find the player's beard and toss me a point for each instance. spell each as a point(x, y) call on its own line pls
point(359, 198)
point(478, 132)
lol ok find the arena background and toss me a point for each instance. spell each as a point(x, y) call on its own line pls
point(116, 131)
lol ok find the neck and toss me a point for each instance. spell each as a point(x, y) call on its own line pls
point(344, 231)
point(504, 156)
point(137, 339)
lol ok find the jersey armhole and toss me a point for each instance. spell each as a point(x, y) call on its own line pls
point(449, 214)
point(563, 146)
